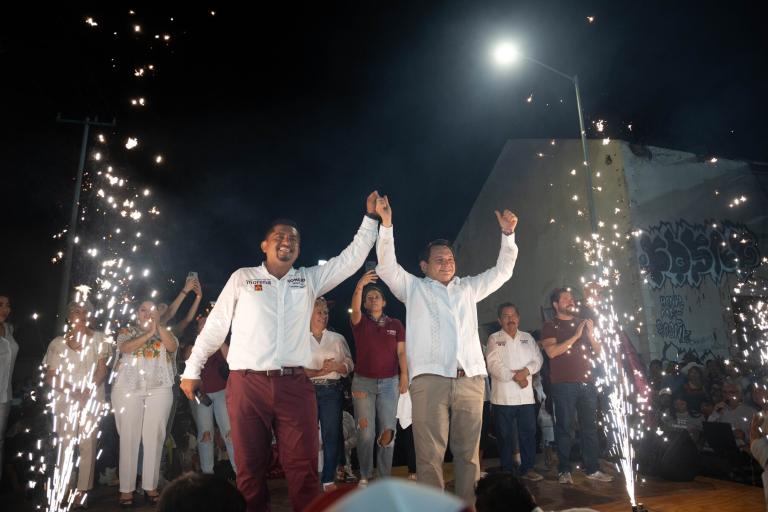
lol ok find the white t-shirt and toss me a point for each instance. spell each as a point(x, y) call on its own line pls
point(9, 349)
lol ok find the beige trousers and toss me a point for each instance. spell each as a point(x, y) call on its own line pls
point(447, 410)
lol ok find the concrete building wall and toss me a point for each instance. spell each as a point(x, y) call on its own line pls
point(633, 189)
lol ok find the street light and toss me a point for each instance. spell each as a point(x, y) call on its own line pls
point(507, 53)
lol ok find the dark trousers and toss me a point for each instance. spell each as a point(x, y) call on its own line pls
point(256, 405)
point(329, 407)
point(505, 416)
point(572, 398)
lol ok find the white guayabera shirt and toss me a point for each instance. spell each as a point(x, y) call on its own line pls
point(441, 321)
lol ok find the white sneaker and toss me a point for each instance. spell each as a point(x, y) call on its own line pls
point(600, 477)
point(363, 482)
point(565, 478)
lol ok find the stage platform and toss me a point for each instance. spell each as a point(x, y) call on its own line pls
point(700, 495)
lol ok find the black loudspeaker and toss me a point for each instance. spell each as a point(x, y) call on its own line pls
point(675, 459)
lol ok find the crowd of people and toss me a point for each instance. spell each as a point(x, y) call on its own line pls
point(265, 380)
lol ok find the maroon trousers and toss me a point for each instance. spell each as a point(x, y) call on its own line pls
point(257, 404)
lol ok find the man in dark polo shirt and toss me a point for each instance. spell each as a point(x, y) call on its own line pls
point(570, 344)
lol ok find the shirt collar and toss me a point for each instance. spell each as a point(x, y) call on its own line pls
point(516, 337)
point(381, 321)
point(266, 271)
point(454, 281)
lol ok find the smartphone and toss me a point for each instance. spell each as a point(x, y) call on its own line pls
point(370, 265)
point(192, 275)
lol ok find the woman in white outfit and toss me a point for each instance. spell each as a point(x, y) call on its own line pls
point(9, 349)
point(142, 399)
point(76, 366)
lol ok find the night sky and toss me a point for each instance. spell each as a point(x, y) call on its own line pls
point(301, 111)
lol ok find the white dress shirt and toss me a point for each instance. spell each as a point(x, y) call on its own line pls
point(332, 345)
point(270, 316)
point(441, 321)
point(9, 349)
point(507, 355)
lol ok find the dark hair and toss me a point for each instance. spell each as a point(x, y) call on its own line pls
point(503, 491)
point(373, 288)
point(426, 252)
point(282, 221)
point(556, 294)
point(655, 362)
point(505, 305)
point(200, 492)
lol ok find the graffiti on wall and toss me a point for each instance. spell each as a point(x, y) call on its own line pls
point(685, 253)
point(672, 328)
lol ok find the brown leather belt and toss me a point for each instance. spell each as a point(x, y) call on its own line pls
point(460, 373)
point(286, 371)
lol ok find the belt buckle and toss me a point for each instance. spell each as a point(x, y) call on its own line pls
point(282, 372)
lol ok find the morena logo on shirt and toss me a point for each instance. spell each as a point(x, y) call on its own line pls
point(501, 343)
point(258, 284)
point(391, 332)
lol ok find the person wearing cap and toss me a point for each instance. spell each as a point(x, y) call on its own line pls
point(269, 308)
point(445, 358)
point(75, 368)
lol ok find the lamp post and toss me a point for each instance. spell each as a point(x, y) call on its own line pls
point(506, 54)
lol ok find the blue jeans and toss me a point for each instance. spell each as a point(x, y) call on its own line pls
point(505, 416)
point(376, 402)
point(204, 419)
point(329, 406)
point(573, 398)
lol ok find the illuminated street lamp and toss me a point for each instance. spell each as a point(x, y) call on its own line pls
point(506, 54)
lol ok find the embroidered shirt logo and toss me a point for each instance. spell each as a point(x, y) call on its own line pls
point(297, 282)
point(391, 332)
point(258, 284)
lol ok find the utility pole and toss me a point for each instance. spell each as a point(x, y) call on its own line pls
point(69, 254)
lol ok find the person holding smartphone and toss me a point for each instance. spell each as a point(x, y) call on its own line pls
point(381, 375)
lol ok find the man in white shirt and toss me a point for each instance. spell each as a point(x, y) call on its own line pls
point(445, 358)
point(269, 309)
point(513, 359)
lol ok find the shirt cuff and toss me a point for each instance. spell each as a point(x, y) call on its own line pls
point(369, 223)
point(508, 239)
point(191, 371)
point(386, 232)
